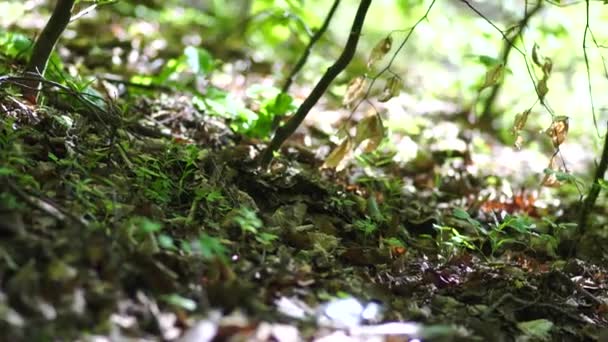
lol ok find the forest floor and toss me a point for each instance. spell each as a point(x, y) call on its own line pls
point(129, 233)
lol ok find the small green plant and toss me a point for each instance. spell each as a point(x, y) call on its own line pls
point(451, 241)
point(210, 247)
point(250, 224)
point(367, 226)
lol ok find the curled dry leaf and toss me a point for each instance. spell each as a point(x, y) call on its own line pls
point(536, 56)
point(339, 157)
point(558, 130)
point(547, 66)
point(372, 130)
point(550, 179)
point(391, 89)
point(520, 121)
point(545, 63)
point(379, 51)
point(542, 88)
point(355, 91)
point(494, 75)
point(519, 141)
point(518, 125)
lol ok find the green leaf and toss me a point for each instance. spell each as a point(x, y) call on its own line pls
point(199, 60)
point(149, 226)
point(538, 328)
point(211, 247)
point(461, 214)
point(180, 302)
point(5, 171)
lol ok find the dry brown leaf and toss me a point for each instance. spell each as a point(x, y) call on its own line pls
point(547, 66)
point(372, 130)
point(536, 57)
point(379, 51)
point(550, 179)
point(542, 88)
point(494, 75)
point(339, 157)
point(354, 91)
point(391, 89)
point(558, 130)
point(519, 141)
point(520, 121)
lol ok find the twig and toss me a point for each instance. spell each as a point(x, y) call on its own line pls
point(313, 40)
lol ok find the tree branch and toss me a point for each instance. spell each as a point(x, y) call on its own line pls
point(46, 43)
point(332, 72)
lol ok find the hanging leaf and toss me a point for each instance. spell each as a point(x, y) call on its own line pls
point(520, 121)
point(354, 91)
point(494, 75)
point(550, 179)
point(536, 57)
point(379, 51)
point(339, 157)
point(547, 67)
point(558, 130)
point(372, 130)
point(519, 141)
point(391, 89)
point(542, 89)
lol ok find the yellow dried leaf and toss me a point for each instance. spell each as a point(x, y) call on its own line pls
point(519, 141)
point(354, 91)
point(542, 89)
point(536, 57)
point(547, 67)
point(339, 157)
point(550, 179)
point(372, 130)
point(379, 51)
point(558, 130)
point(494, 75)
point(520, 121)
point(391, 89)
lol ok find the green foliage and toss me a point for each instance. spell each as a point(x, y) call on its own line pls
point(211, 247)
point(366, 226)
point(181, 72)
point(152, 180)
point(179, 301)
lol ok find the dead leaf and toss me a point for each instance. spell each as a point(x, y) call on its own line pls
point(547, 66)
point(494, 75)
point(355, 91)
point(558, 130)
point(520, 121)
point(372, 130)
point(339, 157)
point(391, 89)
point(519, 141)
point(379, 51)
point(542, 88)
point(550, 179)
point(536, 57)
